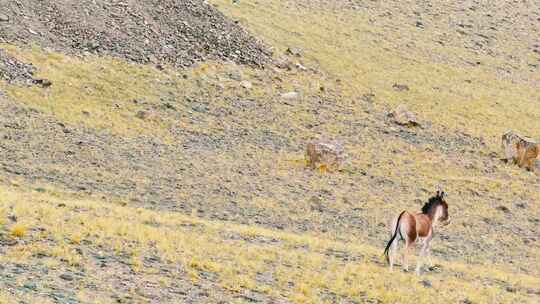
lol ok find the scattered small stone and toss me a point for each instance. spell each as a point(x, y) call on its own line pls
point(419, 24)
point(220, 86)
point(369, 97)
point(153, 59)
point(66, 277)
point(93, 45)
point(169, 106)
point(435, 268)
point(44, 83)
point(404, 117)
point(426, 283)
point(30, 285)
point(4, 18)
point(533, 291)
point(142, 115)
point(246, 84)
point(316, 204)
point(301, 67)
point(8, 242)
point(294, 51)
point(510, 289)
point(290, 95)
point(503, 209)
point(400, 87)
point(521, 205)
point(236, 75)
point(493, 155)
point(57, 296)
point(283, 63)
point(253, 297)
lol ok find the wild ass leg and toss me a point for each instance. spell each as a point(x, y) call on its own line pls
point(428, 254)
point(428, 248)
point(406, 252)
point(421, 257)
point(393, 252)
point(410, 235)
point(424, 251)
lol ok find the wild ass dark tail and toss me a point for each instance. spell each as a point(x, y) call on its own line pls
point(393, 237)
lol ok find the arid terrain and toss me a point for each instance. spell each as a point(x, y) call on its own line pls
point(154, 151)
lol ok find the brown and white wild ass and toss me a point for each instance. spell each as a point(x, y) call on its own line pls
point(417, 227)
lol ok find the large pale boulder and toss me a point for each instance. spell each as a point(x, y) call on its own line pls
point(402, 116)
point(519, 149)
point(328, 155)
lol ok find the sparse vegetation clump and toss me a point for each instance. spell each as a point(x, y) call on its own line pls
point(18, 230)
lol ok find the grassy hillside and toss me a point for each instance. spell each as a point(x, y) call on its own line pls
point(124, 182)
point(372, 48)
point(61, 234)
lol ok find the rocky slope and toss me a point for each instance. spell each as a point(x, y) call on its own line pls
point(178, 33)
point(184, 180)
point(12, 69)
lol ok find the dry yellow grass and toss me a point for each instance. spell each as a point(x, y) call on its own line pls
point(363, 56)
point(339, 46)
point(18, 230)
point(107, 93)
point(95, 92)
point(302, 270)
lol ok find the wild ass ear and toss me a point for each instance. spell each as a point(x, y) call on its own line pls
point(438, 193)
point(442, 194)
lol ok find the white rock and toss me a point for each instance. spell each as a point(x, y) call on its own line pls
point(290, 95)
point(246, 84)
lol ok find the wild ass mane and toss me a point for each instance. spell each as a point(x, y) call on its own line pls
point(432, 202)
